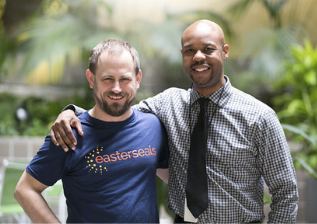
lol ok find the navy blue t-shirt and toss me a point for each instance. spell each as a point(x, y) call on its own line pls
point(111, 176)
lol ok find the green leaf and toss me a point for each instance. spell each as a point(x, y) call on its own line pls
point(310, 77)
point(296, 130)
point(309, 169)
point(266, 199)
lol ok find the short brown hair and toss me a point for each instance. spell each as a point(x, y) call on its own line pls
point(112, 45)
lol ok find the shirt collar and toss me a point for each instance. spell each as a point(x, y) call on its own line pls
point(224, 92)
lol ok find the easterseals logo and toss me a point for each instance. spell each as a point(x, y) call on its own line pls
point(96, 159)
point(91, 164)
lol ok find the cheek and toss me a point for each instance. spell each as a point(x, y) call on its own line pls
point(134, 87)
point(215, 60)
point(187, 62)
point(129, 88)
point(101, 89)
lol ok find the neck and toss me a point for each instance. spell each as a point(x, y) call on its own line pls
point(99, 114)
point(208, 90)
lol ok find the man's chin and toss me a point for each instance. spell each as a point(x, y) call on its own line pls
point(199, 82)
point(115, 113)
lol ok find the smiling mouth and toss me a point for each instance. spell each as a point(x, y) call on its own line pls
point(200, 69)
point(116, 97)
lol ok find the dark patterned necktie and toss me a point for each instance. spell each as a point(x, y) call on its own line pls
point(197, 186)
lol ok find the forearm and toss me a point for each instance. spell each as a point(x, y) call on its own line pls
point(284, 205)
point(278, 170)
point(35, 207)
point(282, 184)
point(283, 187)
point(28, 195)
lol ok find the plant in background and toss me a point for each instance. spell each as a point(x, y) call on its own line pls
point(269, 45)
point(264, 46)
point(60, 37)
point(297, 104)
point(41, 113)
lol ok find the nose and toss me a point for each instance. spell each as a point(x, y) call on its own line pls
point(199, 56)
point(116, 87)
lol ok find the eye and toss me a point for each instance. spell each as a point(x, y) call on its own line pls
point(125, 79)
point(189, 51)
point(107, 79)
point(209, 50)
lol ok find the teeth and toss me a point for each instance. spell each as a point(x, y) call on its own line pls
point(200, 69)
point(115, 97)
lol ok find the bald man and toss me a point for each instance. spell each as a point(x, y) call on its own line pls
point(246, 144)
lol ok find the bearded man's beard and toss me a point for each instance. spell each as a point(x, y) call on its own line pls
point(115, 109)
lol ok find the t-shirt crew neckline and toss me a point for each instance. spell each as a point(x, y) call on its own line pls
point(101, 124)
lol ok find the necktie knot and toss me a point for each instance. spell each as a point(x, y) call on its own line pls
point(203, 103)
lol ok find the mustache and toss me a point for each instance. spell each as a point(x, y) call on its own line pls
point(115, 94)
point(200, 63)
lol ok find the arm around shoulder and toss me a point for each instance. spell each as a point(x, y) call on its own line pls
point(61, 131)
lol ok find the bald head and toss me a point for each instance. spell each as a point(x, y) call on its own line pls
point(204, 51)
point(207, 27)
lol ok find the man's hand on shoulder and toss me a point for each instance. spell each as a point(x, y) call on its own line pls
point(61, 131)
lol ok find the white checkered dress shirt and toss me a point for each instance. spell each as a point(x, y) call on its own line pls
point(246, 145)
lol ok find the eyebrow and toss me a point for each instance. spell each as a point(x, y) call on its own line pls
point(125, 75)
point(105, 75)
point(205, 44)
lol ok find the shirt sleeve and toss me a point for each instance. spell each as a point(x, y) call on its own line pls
point(48, 165)
point(78, 110)
point(151, 105)
point(278, 169)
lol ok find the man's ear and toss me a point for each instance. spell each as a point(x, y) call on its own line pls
point(90, 77)
point(225, 52)
point(138, 79)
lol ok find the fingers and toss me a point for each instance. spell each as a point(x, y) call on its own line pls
point(75, 122)
point(59, 136)
point(61, 131)
point(53, 138)
point(62, 143)
point(67, 135)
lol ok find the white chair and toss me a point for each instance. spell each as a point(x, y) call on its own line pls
point(10, 210)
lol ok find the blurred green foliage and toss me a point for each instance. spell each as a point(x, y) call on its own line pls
point(41, 113)
point(297, 104)
point(162, 194)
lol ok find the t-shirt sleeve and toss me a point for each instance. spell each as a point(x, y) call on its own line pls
point(48, 165)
